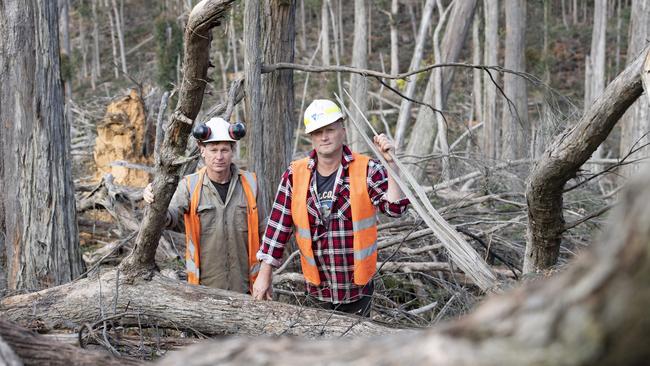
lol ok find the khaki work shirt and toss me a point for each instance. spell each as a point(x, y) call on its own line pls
point(224, 232)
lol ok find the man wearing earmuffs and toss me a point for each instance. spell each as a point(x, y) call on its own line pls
point(218, 206)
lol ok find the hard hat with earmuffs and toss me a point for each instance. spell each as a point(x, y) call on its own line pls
point(217, 130)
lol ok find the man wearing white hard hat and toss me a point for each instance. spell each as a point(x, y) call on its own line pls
point(218, 207)
point(329, 201)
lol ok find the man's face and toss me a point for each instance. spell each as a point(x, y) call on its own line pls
point(328, 140)
point(217, 156)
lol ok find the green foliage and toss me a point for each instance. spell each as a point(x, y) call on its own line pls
point(169, 48)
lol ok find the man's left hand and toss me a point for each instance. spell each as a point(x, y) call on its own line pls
point(385, 145)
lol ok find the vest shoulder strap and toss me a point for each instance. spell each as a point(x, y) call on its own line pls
point(251, 179)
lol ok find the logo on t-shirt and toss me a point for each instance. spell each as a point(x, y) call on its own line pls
point(326, 199)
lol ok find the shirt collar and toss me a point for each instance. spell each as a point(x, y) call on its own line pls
point(346, 158)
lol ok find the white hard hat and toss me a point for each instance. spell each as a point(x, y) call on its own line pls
point(218, 130)
point(320, 113)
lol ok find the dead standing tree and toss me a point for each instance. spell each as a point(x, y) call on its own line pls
point(562, 160)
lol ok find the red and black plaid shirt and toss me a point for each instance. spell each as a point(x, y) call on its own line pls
point(332, 241)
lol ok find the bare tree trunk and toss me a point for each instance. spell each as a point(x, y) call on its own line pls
point(491, 126)
point(67, 52)
point(635, 123)
point(515, 116)
point(575, 12)
point(453, 41)
point(303, 30)
point(277, 106)
point(338, 39)
point(120, 36)
point(358, 83)
point(325, 35)
point(477, 87)
point(405, 106)
point(594, 313)
point(425, 129)
point(394, 41)
point(40, 234)
point(116, 62)
point(595, 68)
point(339, 14)
point(83, 45)
point(619, 21)
point(597, 54)
point(96, 70)
point(561, 161)
point(565, 21)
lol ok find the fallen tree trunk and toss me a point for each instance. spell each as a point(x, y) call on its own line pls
point(171, 304)
point(561, 161)
point(34, 349)
point(595, 313)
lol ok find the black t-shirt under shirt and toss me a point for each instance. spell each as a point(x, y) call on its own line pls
point(222, 188)
point(325, 190)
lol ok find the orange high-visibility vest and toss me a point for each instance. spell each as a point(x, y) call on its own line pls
point(193, 226)
point(364, 220)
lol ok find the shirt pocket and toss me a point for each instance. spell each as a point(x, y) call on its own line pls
point(241, 217)
point(343, 211)
point(207, 214)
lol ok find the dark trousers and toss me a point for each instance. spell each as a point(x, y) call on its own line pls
point(360, 307)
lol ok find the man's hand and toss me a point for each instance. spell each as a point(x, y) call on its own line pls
point(262, 288)
point(147, 194)
point(385, 145)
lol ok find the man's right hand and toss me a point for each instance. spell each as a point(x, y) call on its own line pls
point(263, 286)
point(147, 193)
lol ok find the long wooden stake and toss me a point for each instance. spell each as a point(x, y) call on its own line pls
point(459, 250)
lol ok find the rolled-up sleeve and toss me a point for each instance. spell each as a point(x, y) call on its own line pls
point(377, 186)
point(280, 224)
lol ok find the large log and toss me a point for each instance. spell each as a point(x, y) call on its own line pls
point(595, 313)
point(561, 161)
point(168, 303)
point(34, 349)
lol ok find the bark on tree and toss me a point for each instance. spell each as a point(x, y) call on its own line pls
point(636, 121)
point(205, 15)
point(515, 125)
point(277, 105)
point(561, 161)
point(358, 83)
point(491, 125)
point(425, 128)
point(34, 349)
point(594, 313)
point(40, 234)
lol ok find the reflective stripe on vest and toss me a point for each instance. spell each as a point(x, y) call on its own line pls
point(364, 220)
point(193, 225)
